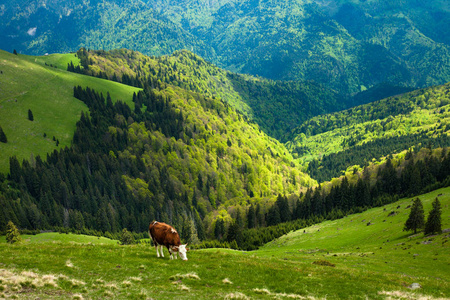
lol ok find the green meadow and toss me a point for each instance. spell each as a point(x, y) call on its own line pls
point(362, 256)
point(42, 85)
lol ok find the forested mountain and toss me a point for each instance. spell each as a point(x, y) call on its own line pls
point(276, 106)
point(180, 153)
point(336, 141)
point(174, 155)
point(350, 46)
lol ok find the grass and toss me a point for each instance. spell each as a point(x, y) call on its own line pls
point(375, 261)
point(27, 83)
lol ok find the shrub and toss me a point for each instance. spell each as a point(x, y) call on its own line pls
point(126, 238)
point(12, 233)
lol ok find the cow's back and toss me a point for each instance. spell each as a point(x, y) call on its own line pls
point(164, 234)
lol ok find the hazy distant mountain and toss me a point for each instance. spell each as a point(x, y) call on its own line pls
point(350, 46)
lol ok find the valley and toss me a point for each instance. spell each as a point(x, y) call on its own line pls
point(295, 146)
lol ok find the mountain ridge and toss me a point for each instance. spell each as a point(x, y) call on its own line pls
point(349, 46)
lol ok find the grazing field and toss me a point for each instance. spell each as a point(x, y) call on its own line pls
point(362, 256)
point(27, 83)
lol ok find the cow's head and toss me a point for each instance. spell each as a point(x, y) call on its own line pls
point(182, 249)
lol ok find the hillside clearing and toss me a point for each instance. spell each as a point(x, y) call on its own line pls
point(27, 83)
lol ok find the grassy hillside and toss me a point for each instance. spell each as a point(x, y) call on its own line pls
point(338, 259)
point(355, 136)
point(26, 82)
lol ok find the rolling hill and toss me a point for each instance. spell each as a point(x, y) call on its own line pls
point(338, 259)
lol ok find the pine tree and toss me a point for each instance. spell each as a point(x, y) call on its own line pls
point(3, 138)
point(219, 229)
point(433, 224)
point(416, 217)
point(12, 233)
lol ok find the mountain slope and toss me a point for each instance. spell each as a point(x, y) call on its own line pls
point(355, 136)
point(171, 154)
point(276, 106)
point(27, 83)
point(349, 46)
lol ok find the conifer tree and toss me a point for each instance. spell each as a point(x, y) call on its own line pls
point(12, 233)
point(433, 224)
point(3, 138)
point(416, 217)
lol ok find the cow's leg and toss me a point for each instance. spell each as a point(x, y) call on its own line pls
point(156, 247)
point(162, 252)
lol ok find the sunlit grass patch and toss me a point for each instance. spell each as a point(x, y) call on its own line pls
point(184, 288)
point(77, 283)
point(77, 297)
point(111, 286)
point(126, 283)
point(183, 276)
point(401, 295)
point(136, 279)
point(265, 291)
point(69, 264)
point(12, 281)
point(227, 281)
point(236, 295)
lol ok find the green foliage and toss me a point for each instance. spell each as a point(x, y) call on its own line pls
point(434, 223)
point(332, 143)
point(416, 217)
point(126, 238)
point(276, 106)
point(12, 233)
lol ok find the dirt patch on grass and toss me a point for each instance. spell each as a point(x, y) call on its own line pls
point(324, 263)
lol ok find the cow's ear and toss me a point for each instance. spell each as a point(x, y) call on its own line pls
point(187, 249)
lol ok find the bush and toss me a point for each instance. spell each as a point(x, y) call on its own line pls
point(12, 233)
point(126, 238)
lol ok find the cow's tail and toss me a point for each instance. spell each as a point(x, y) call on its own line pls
point(149, 234)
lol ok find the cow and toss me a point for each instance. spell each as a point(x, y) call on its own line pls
point(165, 235)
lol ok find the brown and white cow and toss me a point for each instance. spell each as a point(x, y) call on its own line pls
point(165, 235)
